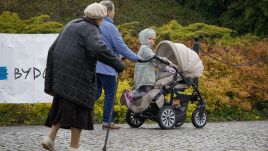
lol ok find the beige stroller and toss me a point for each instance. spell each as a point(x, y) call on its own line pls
point(165, 103)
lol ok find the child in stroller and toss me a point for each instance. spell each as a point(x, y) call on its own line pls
point(144, 74)
point(158, 104)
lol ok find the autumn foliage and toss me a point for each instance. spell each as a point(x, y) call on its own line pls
point(235, 66)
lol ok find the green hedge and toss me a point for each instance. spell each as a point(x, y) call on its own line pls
point(145, 11)
point(11, 114)
point(12, 23)
point(36, 114)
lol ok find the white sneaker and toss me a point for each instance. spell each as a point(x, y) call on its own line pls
point(48, 144)
point(75, 149)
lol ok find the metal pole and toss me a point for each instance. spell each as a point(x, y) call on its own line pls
point(196, 49)
point(196, 44)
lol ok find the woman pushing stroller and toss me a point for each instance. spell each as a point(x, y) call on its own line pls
point(144, 74)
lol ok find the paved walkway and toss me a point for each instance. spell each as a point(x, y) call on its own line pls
point(227, 136)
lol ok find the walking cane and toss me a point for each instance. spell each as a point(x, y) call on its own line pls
point(111, 113)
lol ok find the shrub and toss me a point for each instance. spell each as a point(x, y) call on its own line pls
point(11, 23)
point(11, 114)
point(175, 32)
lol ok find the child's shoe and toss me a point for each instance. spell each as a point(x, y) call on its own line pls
point(128, 97)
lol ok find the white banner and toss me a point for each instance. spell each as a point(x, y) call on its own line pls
point(22, 65)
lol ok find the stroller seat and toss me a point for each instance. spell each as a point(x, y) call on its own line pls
point(166, 78)
point(154, 95)
point(186, 60)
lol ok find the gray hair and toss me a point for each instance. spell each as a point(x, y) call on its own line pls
point(108, 4)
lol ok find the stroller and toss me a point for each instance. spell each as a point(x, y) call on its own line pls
point(166, 103)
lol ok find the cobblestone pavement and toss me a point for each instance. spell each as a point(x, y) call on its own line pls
point(241, 136)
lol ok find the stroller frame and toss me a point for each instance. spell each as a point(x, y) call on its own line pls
point(169, 116)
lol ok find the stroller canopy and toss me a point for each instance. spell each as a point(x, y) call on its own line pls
point(185, 58)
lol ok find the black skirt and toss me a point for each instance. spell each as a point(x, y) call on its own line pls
point(69, 115)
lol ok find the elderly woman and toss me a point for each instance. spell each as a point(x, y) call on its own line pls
point(70, 75)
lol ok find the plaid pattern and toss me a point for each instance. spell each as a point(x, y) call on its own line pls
point(72, 62)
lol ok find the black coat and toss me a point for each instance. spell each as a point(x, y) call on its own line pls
point(71, 63)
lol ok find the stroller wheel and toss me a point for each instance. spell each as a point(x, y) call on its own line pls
point(134, 120)
point(166, 117)
point(199, 120)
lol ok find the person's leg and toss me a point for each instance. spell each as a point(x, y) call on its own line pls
point(147, 88)
point(48, 141)
point(99, 86)
point(75, 137)
point(109, 85)
point(139, 92)
point(53, 131)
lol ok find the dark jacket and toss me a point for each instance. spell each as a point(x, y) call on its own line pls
point(71, 63)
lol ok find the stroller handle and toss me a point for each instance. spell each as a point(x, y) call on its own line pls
point(154, 57)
